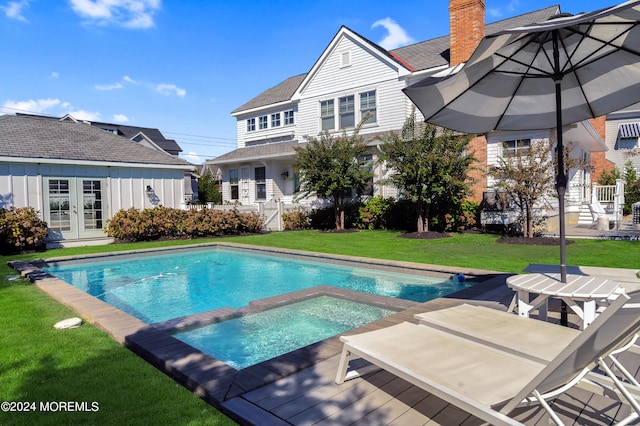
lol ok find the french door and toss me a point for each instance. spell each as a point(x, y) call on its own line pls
point(75, 207)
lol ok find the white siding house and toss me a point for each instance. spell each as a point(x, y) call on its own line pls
point(78, 176)
point(623, 137)
point(351, 77)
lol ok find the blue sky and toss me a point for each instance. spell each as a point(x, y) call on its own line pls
point(182, 66)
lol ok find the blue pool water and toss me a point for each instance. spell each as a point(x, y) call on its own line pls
point(159, 287)
point(248, 340)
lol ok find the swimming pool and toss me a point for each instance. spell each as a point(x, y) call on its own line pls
point(161, 286)
point(253, 338)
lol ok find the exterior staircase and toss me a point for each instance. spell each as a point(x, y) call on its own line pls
point(584, 217)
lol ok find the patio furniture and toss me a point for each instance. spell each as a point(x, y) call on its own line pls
point(537, 340)
point(581, 293)
point(601, 219)
point(488, 382)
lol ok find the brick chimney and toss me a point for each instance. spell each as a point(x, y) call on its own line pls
point(466, 23)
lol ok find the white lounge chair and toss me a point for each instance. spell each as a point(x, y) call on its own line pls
point(538, 340)
point(597, 212)
point(489, 382)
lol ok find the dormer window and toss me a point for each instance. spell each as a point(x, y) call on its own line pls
point(263, 122)
point(251, 125)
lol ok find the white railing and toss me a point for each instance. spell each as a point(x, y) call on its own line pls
point(611, 197)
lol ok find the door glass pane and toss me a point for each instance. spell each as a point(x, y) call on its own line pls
point(59, 214)
point(92, 204)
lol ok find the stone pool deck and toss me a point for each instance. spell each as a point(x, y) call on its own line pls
point(297, 388)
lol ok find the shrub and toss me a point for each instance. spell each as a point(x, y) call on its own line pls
point(297, 219)
point(375, 213)
point(324, 218)
point(163, 222)
point(466, 218)
point(21, 229)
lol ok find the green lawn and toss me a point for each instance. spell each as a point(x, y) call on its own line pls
point(38, 363)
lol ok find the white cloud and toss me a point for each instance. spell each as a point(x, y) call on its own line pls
point(85, 115)
point(168, 89)
point(38, 106)
point(499, 12)
point(396, 37)
point(127, 13)
point(129, 79)
point(108, 86)
point(192, 157)
point(120, 118)
point(54, 75)
point(13, 10)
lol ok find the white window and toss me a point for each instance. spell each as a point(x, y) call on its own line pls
point(516, 147)
point(347, 112)
point(288, 118)
point(251, 125)
point(327, 115)
point(368, 106)
point(233, 183)
point(261, 183)
point(628, 134)
point(263, 122)
point(275, 120)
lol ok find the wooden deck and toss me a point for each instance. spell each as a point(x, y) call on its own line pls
point(298, 388)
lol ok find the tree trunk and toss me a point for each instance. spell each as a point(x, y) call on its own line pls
point(422, 222)
point(337, 216)
point(529, 222)
point(341, 219)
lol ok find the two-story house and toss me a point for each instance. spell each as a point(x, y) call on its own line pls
point(353, 78)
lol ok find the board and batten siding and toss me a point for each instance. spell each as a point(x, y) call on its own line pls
point(21, 184)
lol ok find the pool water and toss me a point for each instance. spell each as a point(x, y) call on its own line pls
point(164, 286)
point(253, 338)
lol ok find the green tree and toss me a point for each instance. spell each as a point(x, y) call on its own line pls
point(429, 166)
point(526, 176)
point(329, 167)
point(208, 189)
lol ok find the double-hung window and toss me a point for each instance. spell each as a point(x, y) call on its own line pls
point(233, 184)
point(516, 147)
point(327, 116)
point(261, 183)
point(347, 112)
point(275, 120)
point(368, 106)
point(251, 125)
point(263, 122)
point(288, 118)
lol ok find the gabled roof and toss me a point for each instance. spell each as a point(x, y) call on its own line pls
point(279, 93)
point(151, 133)
point(44, 139)
point(416, 57)
point(129, 132)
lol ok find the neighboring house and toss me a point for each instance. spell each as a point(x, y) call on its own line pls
point(354, 77)
point(623, 137)
point(78, 176)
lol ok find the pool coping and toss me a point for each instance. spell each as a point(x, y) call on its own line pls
point(213, 380)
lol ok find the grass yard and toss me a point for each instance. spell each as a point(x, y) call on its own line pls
point(38, 363)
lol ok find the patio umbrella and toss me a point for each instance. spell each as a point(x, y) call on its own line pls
point(541, 76)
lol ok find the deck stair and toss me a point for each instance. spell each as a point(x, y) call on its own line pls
point(584, 217)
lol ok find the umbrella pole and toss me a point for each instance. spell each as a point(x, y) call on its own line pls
point(561, 180)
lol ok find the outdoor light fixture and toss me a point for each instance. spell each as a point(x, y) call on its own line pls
point(285, 174)
point(149, 191)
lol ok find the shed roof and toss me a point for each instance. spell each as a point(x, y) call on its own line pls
point(42, 138)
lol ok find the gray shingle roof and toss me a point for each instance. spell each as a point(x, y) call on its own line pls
point(169, 145)
point(420, 56)
point(42, 138)
point(279, 93)
point(258, 151)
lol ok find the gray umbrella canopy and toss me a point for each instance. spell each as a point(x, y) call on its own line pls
point(541, 76)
